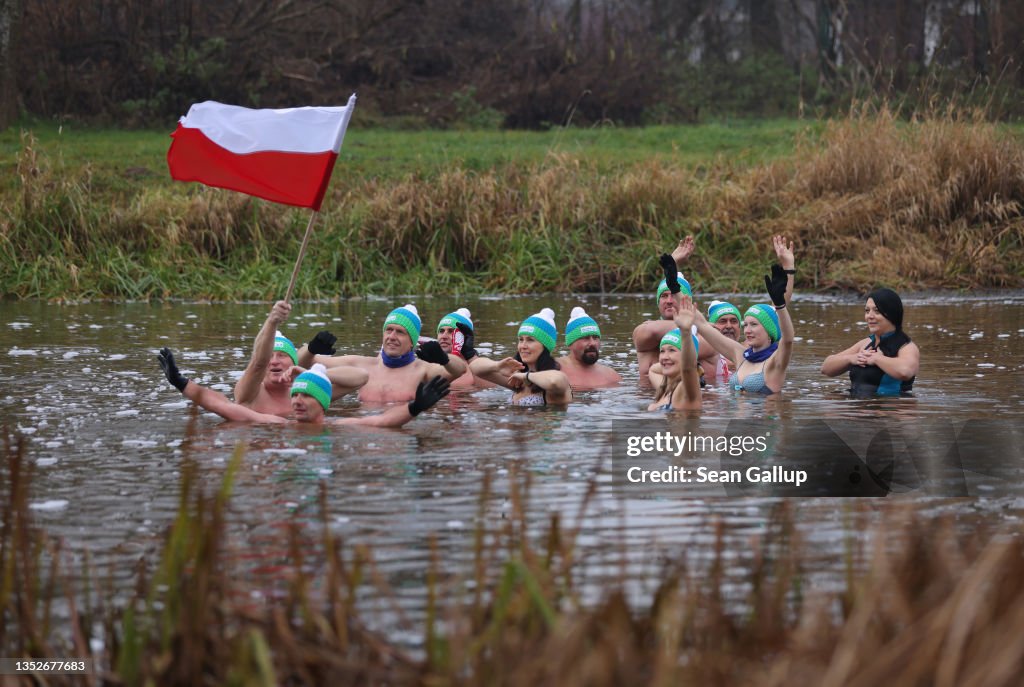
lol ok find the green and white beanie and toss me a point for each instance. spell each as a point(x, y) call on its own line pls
point(281, 343)
point(718, 309)
point(541, 327)
point(765, 314)
point(675, 338)
point(315, 383)
point(460, 316)
point(580, 325)
point(408, 318)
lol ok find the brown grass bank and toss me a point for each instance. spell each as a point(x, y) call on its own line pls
point(923, 602)
point(930, 204)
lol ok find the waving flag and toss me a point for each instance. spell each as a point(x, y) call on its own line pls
point(286, 156)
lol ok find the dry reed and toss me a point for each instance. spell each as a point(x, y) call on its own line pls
point(925, 602)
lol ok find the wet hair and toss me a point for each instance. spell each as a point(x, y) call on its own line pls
point(890, 305)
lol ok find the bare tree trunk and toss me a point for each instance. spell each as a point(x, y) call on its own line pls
point(10, 14)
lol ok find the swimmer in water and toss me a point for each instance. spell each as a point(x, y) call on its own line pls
point(533, 375)
point(887, 361)
point(580, 364)
point(762, 360)
point(396, 372)
point(676, 376)
point(310, 397)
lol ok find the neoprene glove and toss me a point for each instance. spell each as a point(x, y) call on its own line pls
point(429, 393)
point(170, 369)
point(466, 350)
point(668, 264)
point(432, 352)
point(322, 343)
point(776, 285)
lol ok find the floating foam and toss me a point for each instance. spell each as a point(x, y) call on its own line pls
point(126, 413)
point(286, 451)
point(139, 443)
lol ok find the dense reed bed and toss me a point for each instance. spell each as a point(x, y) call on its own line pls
point(935, 202)
point(922, 602)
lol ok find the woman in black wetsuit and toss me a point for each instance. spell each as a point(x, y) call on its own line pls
point(885, 363)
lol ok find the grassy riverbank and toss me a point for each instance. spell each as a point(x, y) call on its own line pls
point(936, 203)
point(920, 601)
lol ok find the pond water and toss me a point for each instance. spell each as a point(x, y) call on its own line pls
point(108, 434)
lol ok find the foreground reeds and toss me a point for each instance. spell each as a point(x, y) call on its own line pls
point(923, 602)
point(931, 203)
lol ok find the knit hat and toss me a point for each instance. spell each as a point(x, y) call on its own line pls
point(580, 325)
point(765, 314)
point(890, 305)
point(685, 285)
point(408, 318)
point(460, 316)
point(675, 338)
point(281, 343)
point(541, 327)
point(315, 383)
point(719, 309)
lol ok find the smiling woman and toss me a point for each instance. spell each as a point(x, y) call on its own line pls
point(534, 377)
point(887, 361)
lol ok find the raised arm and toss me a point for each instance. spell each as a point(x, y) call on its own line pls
point(448, 366)
point(686, 395)
point(730, 348)
point(321, 344)
point(209, 399)
point(248, 387)
point(780, 289)
point(496, 372)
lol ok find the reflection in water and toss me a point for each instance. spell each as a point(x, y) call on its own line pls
point(109, 435)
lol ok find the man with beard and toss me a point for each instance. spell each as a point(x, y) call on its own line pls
point(583, 339)
point(725, 317)
point(265, 385)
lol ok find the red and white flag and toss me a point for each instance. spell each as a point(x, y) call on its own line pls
point(286, 156)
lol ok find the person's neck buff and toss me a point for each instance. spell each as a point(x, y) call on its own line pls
point(400, 361)
point(760, 356)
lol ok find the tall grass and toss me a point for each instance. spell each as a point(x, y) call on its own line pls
point(923, 602)
point(930, 203)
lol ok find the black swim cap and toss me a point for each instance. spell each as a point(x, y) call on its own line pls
point(890, 305)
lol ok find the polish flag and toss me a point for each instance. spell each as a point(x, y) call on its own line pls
point(286, 156)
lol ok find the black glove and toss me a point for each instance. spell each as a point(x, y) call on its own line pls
point(429, 393)
point(322, 343)
point(668, 264)
point(170, 368)
point(432, 352)
point(776, 285)
point(468, 339)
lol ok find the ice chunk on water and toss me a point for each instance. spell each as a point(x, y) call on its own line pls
point(53, 504)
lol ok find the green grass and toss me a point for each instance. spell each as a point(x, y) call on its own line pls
point(870, 199)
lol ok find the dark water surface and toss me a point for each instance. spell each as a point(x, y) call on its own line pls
point(108, 434)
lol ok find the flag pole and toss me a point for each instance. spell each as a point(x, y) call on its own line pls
point(302, 254)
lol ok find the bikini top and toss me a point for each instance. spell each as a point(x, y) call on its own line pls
point(531, 400)
point(753, 383)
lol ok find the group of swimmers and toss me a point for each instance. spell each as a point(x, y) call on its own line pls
point(677, 353)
